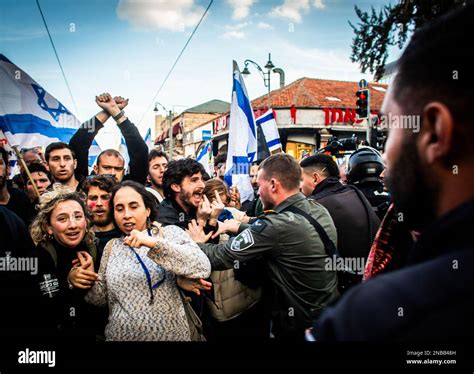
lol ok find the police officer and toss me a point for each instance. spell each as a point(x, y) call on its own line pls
point(300, 282)
point(364, 170)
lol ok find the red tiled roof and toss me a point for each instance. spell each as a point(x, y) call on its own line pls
point(309, 92)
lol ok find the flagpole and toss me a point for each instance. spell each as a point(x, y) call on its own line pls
point(19, 156)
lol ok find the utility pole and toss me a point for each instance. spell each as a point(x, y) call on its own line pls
point(170, 114)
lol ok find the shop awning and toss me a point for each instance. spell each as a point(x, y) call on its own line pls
point(161, 138)
point(165, 134)
point(177, 129)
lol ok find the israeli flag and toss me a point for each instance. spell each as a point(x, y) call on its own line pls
point(122, 148)
point(270, 130)
point(29, 115)
point(242, 144)
point(148, 140)
point(124, 152)
point(204, 157)
point(94, 151)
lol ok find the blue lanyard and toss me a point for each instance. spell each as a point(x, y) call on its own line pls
point(148, 277)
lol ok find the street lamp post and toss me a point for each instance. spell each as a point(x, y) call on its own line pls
point(265, 75)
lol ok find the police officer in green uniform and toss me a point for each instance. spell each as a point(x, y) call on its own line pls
point(294, 250)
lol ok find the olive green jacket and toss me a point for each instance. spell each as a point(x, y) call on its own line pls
point(295, 259)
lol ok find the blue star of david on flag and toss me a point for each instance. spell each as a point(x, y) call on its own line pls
point(54, 112)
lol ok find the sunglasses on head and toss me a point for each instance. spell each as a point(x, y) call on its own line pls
point(95, 176)
point(24, 150)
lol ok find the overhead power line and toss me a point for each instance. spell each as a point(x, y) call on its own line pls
point(176, 61)
point(57, 57)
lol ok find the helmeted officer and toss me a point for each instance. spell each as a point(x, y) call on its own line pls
point(364, 170)
point(295, 237)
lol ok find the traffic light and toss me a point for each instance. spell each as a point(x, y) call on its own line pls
point(362, 103)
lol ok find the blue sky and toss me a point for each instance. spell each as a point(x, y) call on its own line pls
point(127, 47)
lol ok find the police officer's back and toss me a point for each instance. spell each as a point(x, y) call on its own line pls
point(364, 169)
point(354, 218)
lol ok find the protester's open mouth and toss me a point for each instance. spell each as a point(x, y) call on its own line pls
point(100, 213)
point(73, 235)
point(129, 226)
point(197, 196)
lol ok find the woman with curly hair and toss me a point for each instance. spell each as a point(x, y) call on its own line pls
point(61, 232)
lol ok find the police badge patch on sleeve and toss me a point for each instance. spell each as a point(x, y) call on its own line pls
point(242, 241)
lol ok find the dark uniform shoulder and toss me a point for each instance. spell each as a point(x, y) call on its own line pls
point(267, 212)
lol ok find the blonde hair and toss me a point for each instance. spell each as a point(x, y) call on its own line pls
point(47, 203)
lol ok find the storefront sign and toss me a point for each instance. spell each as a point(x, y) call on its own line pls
point(220, 124)
point(347, 116)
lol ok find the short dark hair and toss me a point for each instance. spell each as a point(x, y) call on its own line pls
point(109, 152)
point(178, 170)
point(323, 163)
point(103, 181)
point(55, 146)
point(283, 167)
point(437, 66)
point(36, 167)
point(148, 199)
point(5, 157)
point(154, 153)
point(220, 158)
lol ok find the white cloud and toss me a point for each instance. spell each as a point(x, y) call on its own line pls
point(294, 9)
point(317, 63)
point(174, 15)
point(233, 35)
point(264, 26)
point(238, 26)
point(318, 4)
point(241, 8)
point(235, 31)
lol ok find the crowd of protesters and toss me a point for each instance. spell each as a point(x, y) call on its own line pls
point(167, 252)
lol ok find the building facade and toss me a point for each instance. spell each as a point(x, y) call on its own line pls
point(185, 140)
point(308, 112)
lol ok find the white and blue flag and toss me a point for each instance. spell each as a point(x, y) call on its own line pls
point(204, 157)
point(148, 140)
point(242, 144)
point(122, 148)
point(29, 115)
point(124, 152)
point(270, 130)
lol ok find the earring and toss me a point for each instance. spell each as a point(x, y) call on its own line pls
point(148, 222)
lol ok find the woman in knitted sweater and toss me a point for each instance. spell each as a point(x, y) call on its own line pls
point(137, 274)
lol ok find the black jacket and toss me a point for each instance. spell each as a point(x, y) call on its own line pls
point(63, 310)
point(18, 291)
point(137, 149)
point(432, 297)
point(170, 213)
point(355, 220)
point(376, 196)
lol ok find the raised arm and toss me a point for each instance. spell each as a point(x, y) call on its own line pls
point(175, 252)
point(81, 141)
